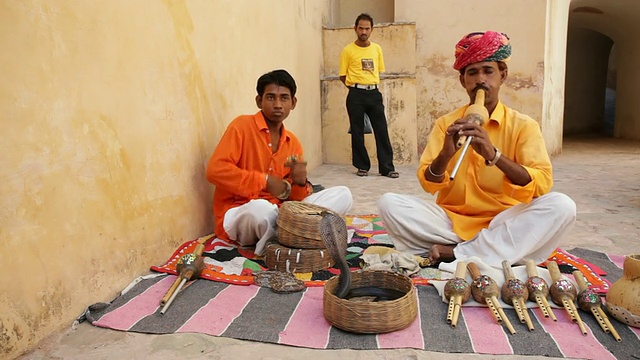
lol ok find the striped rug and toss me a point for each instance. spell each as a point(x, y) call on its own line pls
point(258, 314)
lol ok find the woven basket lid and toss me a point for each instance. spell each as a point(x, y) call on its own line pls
point(300, 218)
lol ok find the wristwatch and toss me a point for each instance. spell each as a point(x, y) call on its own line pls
point(495, 158)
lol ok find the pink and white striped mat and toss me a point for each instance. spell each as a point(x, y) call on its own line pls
point(258, 314)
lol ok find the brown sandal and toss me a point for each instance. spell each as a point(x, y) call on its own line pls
point(392, 174)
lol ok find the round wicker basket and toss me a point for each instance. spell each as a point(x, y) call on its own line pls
point(299, 225)
point(371, 317)
point(287, 238)
point(282, 258)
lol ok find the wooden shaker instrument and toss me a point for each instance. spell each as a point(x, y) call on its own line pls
point(563, 293)
point(485, 291)
point(589, 301)
point(538, 290)
point(515, 292)
point(457, 291)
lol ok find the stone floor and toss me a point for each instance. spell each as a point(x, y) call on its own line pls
point(601, 175)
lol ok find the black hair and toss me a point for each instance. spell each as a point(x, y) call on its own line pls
point(364, 16)
point(277, 77)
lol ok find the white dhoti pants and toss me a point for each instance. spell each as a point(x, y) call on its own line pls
point(525, 231)
point(254, 223)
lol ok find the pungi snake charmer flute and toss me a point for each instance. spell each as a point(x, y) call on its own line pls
point(485, 291)
point(589, 301)
point(476, 112)
point(515, 292)
point(457, 291)
point(538, 290)
point(189, 267)
point(564, 293)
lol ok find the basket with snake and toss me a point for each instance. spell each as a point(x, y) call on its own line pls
point(368, 302)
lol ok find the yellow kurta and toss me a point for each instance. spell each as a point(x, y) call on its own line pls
point(479, 192)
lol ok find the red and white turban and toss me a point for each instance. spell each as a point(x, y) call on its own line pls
point(482, 46)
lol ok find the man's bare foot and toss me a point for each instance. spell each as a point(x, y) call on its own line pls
point(440, 253)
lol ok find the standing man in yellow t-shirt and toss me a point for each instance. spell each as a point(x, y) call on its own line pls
point(360, 65)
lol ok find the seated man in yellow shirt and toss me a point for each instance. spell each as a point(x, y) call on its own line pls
point(499, 205)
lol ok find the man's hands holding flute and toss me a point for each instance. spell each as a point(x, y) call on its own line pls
point(480, 142)
point(482, 145)
point(461, 127)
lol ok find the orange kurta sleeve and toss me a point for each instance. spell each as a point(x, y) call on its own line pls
point(226, 171)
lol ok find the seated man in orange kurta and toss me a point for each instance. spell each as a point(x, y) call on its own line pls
point(258, 164)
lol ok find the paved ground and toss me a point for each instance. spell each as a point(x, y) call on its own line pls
point(601, 175)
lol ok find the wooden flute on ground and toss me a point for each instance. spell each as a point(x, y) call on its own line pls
point(563, 293)
point(476, 112)
point(189, 267)
point(457, 291)
point(589, 301)
point(538, 290)
point(485, 291)
point(515, 292)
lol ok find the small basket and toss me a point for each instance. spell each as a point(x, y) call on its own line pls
point(290, 260)
point(301, 219)
point(371, 317)
point(287, 238)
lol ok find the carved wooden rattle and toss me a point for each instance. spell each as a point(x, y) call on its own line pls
point(485, 291)
point(515, 292)
point(457, 291)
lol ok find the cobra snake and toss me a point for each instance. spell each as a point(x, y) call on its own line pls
point(333, 231)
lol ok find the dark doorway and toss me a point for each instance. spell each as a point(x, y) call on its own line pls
point(589, 84)
point(610, 93)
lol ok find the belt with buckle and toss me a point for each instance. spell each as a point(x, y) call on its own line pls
point(365, 87)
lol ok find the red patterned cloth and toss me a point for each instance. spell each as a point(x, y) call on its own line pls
point(482, 46)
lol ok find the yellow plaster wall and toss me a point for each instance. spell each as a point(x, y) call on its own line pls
point(441, 24)
point(555, 67)
point(399, 98)
point(109, 111)
point(345, 12)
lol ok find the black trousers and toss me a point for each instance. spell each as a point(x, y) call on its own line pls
point(359, 102)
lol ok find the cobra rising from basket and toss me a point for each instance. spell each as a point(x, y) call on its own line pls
point(333, 230)
point(394, 305)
